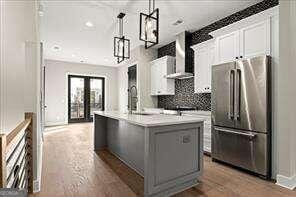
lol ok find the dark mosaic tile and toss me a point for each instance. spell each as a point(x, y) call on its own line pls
point(185, 96)
point(185, 88)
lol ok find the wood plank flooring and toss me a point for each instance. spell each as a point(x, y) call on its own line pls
point(71, 168)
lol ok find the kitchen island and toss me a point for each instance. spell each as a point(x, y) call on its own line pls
point(167, 150)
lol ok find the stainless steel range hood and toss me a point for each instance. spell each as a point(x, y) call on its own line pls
point(184, 66)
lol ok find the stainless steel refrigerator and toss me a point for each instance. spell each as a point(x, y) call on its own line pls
point(241, 114)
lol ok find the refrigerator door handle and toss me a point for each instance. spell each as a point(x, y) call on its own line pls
point(250, 135)
point(231, 94)
point(238, 79)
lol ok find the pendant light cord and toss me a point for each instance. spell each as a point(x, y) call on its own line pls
point(153, 6)
point(120, 27)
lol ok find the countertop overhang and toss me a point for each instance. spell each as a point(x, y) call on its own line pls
point(150, 120)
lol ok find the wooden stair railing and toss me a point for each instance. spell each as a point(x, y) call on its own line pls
point(16, 156)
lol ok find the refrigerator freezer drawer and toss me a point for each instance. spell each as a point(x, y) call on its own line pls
point(247, 150)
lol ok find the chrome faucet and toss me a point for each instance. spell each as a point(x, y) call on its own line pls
point(130, 110)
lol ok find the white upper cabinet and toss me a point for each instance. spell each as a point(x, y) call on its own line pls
point(227, 47)
point(247, 42)
point(255, 40)
point(204, 55)
point(160, 68)
point(154, 76)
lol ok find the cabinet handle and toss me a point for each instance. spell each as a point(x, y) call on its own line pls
point(236, 58)
point(241, 56)
point(250, 135)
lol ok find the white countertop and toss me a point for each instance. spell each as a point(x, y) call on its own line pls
point(150, 120)
point(197, 112)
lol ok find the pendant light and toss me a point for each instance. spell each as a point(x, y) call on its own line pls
point(121, 44)
point(149, 26)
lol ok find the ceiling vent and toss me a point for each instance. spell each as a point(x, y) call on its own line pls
point(178, 22)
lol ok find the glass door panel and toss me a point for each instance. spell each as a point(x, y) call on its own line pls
point(85, 95)
point(96, 95)
point(77, 101)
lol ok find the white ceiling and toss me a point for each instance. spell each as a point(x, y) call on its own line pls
point(63, 24)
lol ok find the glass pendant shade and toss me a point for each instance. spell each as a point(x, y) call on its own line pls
point(121, 48)
point(149, 28)
point(121, 44)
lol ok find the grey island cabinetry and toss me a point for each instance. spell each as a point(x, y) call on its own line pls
point(167, 150)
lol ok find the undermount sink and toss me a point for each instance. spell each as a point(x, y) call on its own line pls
point(142, 113)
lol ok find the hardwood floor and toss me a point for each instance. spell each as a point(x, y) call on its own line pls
point(72, 168)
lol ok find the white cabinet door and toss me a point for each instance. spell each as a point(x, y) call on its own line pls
point(207, 134)
point(208, 69)
point(160, 68)
point(162, 81)
point(255, 40)
point(201, 60)
point(158, 81)
point(227, 48)
point(154, 74)
point(204, 59)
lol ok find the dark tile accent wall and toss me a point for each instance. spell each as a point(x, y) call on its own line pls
point(169, 49)
point(184, 96)
point(184, 88)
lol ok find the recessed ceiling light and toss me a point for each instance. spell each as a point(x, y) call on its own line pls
point(106, 60)
point(89, 24)
point(56, 48)
point(73, 55)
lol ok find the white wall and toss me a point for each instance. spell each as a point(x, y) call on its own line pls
point(275, 67)
point(123, 78)
point(18, 25)
point(56, 87)
point(19, 69)
point(286, 96)
point(141, 57)
point(32, 103)
point(122, 88)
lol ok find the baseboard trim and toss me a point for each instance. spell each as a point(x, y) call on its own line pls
point(51, 124)
point(287, 182)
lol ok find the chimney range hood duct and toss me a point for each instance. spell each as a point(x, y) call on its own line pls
point(184, 61)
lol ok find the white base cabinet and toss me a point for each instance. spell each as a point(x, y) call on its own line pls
point(160, 68)
point(207, 134)
point(207, 127)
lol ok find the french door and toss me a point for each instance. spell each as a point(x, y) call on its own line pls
point(85, 95)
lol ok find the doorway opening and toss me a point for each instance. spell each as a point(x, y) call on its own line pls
point(132, 81)
point(85, 95)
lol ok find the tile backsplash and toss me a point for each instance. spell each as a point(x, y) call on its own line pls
point(185, 95)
